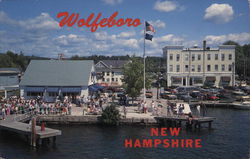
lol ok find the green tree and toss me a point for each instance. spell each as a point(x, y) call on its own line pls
point(110, 115)
point(133, 77)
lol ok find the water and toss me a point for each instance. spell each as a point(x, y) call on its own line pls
point(229, 139)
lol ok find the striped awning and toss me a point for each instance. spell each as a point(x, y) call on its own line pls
point(34, 89)
point(71, 89)
point(52, 89)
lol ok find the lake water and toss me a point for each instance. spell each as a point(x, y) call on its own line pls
point(229, 139)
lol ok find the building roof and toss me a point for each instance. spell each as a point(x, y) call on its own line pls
point(57, 73)
point(110, 65)
point(114, 63)
point(9, 70)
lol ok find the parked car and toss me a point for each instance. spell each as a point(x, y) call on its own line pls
point(168, 95)
point(212, 97)
point(149, 94)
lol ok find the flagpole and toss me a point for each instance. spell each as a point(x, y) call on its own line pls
point(144, 61)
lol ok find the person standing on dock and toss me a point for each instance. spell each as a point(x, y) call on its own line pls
point(198, 107)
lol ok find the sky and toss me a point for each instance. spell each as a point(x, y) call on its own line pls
point(32, 26)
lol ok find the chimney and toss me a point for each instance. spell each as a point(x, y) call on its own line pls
point(204, 45)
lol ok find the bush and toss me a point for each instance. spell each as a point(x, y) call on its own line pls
point(110, 115)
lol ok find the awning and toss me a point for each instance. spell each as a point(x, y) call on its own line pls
point(95, 87)
point(225, 79)
point(71, 89)
point(34, 89)
point(210, 78)
point(52, 89)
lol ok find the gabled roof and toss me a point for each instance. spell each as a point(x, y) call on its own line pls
point(57, 73)
point(115, 63)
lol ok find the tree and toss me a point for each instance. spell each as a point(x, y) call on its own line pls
point(110, 115)
point(133, 77)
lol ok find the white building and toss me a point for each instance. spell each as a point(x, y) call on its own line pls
point(109, 72)
point(200, 66)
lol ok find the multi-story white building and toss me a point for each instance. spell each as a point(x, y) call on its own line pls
point(200, 66)
point(109, 72)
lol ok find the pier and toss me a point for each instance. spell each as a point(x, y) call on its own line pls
point(176, 121)
point(36, 134)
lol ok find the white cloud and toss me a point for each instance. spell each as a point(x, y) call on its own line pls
point(219, 13)
point(126, 34)
point(158, 24)
point(165, 6)
point(219, 39)
point(41, 23)
point(112, 2)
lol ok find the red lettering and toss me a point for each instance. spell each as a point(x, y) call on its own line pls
point(157, 142)
point(89, 19)
point(163, 132)
point(129, 22)
point(189, 143)
point(197, 143)
point(104, 20)
point(128, 143)
point(80, 23)
point(174, 131)
point(175, 143)
point(136, 22)
point(182, 143)
point(67, 20)
point(137, 143)
point(111, 19)
point(147, 143)
point(154, 132)
point(166, 143)
point(120, 22)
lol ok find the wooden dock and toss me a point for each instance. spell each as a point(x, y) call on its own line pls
point(10, 124)
point(177, 121)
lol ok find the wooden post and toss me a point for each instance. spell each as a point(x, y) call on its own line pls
point(33, 132)
point(210, 125)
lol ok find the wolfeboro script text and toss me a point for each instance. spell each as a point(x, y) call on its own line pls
point(73, 19)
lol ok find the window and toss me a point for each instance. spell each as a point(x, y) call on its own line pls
point(178, 57)
point(208, 56)
point(103, 79)
point(222, 67)
point(222, 57)
point(112, 79)
point(116, 79)
point(112, 73)
point(171, 57)
point(186, 57)
point(108, 80)
point(107, 73)
point(230, 57)
point(186, 68)
point(208, 67)
point(193, 57)
point(216, 67)
point(199, 56)
point(216, 57)
point(229, 67)
point(170, 68)
point(199, 68)
point(193, 68)
point(177, 68)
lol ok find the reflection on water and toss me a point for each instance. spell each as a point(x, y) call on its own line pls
point(229, 139)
